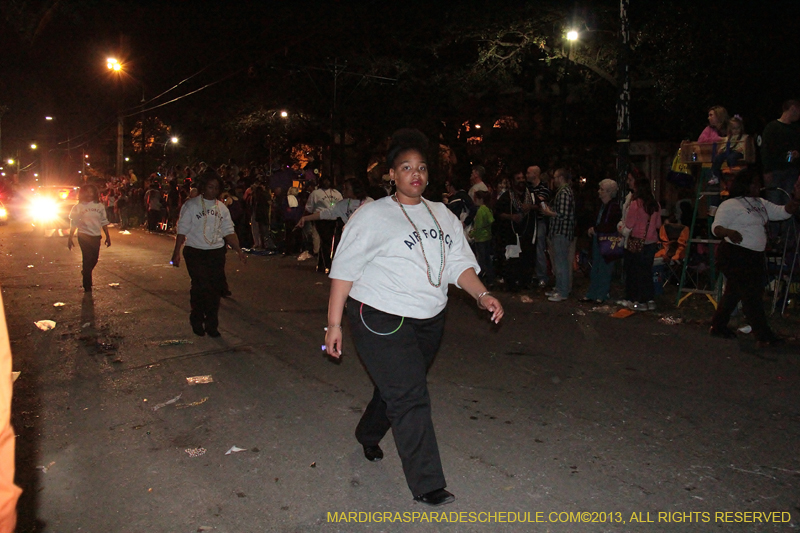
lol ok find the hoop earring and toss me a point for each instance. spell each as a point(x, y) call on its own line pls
point(391, 182)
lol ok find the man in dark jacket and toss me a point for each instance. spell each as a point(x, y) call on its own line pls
point(459, 202)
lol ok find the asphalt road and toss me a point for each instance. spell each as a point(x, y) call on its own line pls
point(558, 410)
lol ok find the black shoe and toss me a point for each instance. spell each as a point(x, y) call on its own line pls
point(198, 330)
point(213, 332)
point(723, 333)
point(373, 453)
point(435, 497)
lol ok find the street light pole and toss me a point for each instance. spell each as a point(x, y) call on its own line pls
point(623, 96)
point(115, 66)
point(3, 110)
point(119, 143)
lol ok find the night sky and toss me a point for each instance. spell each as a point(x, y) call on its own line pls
point(275, 54)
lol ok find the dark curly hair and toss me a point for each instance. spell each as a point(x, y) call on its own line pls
point(743, 180)
point(205, 177)
point(88, 193)
point(404, 140)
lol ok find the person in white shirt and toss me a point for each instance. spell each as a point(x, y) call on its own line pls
point(354, 197)
point(742, 222)
point(397, 257)
point(88, 218)
point(205, 226)
point(476, 179)
point(324, 197)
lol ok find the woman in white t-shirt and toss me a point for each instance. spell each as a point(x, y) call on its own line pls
point(354, 196)
point(742, 222)
point(206, 227)
point(393, 267)
point(88, 218)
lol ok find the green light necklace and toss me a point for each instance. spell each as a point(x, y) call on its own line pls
point(438, 282)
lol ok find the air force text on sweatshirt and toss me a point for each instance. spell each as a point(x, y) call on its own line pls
point(381, 254)
point(214, 219)
point(89, 218)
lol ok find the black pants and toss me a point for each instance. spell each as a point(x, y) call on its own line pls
point(639, 274)
point(153, 218)
point(90, 251)
point(745, 273)
point(398, 365)
point(207, 270)
point(327, 231)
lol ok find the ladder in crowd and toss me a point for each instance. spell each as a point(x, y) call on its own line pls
point(698, 156)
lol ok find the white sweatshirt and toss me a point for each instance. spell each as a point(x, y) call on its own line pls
point(199, 215)
point(381, 254)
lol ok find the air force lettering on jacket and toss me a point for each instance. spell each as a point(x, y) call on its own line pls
point(431, 233)
point(208, 212)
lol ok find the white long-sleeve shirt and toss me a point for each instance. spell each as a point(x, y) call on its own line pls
point(88, 218)
point(343, 209)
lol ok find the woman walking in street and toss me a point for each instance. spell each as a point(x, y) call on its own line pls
point(742, 222)
point(205, 226)
point(88, 218)
point(393, 267)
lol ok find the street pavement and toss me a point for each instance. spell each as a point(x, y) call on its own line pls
point(559, 410)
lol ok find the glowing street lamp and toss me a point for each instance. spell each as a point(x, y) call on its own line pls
point(115, 66)
point(33, 146)
point(284, 114)
point(572, 35)
point(173, 140)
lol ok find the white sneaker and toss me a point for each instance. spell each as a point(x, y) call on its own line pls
point(651, 305)
point(639, 306)
point(551, 293)
point(624, 303)
point(557, 298)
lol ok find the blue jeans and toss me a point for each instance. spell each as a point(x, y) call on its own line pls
point(540, 259)
point(781, 179)
point(601, 274)
point(561, 263)
point(483, 253)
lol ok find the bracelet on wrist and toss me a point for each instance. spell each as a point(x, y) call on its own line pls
point(333, 326)
point(478, 298)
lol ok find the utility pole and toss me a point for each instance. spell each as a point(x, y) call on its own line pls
point(119, 143)
point(144, 164)
point(3, 110)
point(623, 96)
point(336, 68)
